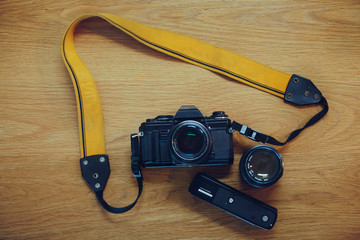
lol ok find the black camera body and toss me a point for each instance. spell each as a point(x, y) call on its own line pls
point(186, 139)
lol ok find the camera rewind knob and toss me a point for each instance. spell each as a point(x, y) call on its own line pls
point(219, 114)
point(164, 117)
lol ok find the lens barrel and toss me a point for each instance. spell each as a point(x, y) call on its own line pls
point(261, 166)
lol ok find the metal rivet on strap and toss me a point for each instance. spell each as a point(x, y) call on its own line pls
point(306, 93)
point(85, 162)
point(289, 95)
point(102, 159)
point(296, 80)
point(316, 96)
point(97, 185)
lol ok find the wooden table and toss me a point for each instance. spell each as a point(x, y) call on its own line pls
point(42, 193)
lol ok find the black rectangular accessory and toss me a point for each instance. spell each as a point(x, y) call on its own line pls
point(233, 201)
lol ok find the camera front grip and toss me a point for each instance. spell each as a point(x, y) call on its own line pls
point(96, 171)
point(260, 137)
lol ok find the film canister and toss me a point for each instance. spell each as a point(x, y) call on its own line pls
point(261, 166)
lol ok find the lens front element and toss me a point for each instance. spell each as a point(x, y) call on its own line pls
point(263, 165)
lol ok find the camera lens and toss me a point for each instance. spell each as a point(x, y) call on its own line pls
point(190, 141)
point(261, 166)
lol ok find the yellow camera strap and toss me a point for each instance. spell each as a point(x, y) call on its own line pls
point(292, 88)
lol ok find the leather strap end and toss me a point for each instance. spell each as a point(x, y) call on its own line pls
point(96, 171)
point(302, 91)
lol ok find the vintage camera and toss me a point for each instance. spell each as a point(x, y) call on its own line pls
point(186, 139)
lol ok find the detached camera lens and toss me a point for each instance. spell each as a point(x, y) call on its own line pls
point(190, 141)
point(261, 166)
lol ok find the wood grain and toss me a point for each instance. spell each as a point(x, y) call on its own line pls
point(42, 194)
